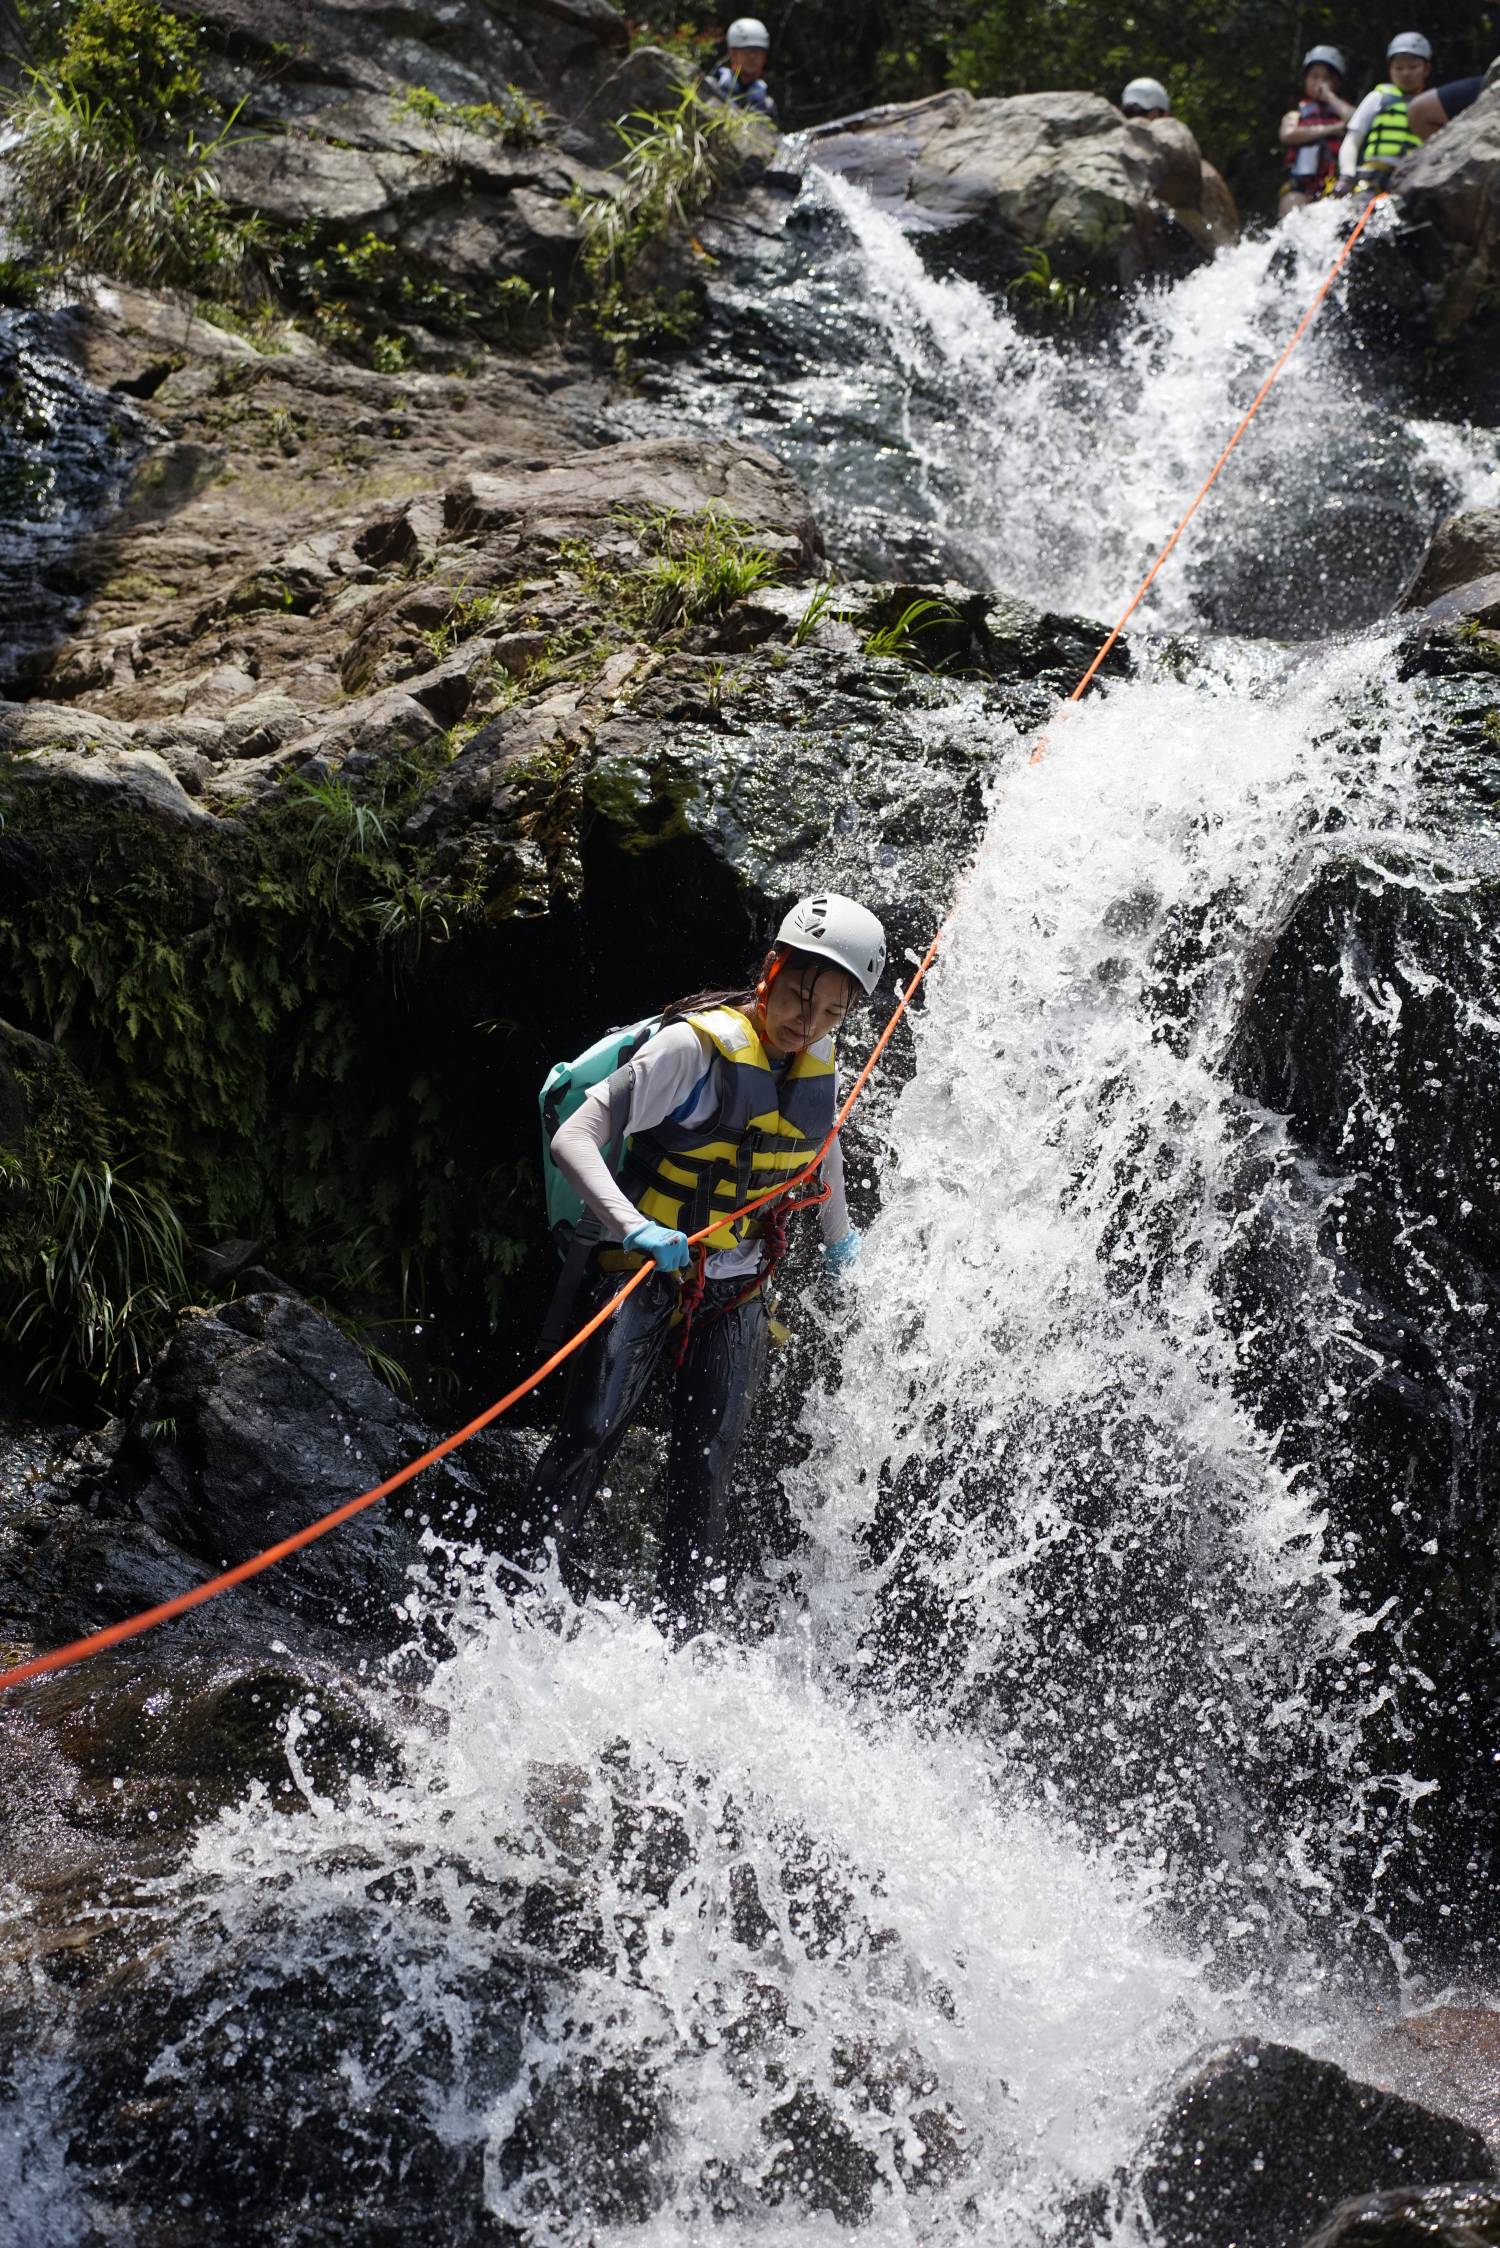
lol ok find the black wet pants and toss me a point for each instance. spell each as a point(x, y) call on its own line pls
point(713, 1392)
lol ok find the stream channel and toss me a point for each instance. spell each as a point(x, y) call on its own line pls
point(1068, 1750)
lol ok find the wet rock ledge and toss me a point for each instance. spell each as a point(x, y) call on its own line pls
point(389, 705)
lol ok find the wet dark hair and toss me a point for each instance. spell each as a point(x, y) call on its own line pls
point(791, 958)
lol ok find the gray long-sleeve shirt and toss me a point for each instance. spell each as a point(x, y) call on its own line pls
point(672, 1075)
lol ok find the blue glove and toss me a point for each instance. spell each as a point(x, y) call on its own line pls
point(840, 1255)
point(669, 1250)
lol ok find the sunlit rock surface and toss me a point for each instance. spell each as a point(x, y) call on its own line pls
point(982, 184)
point(1449, 189)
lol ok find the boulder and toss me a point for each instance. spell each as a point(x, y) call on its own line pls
point(983, 184)
point(1261, 2141)
point(469, 210)
point(296, 178)
point(138, 778)
point(599, 492)
point(463, 50)
point(1457, 2216)
point(1463, 547)
point(1447, 2057)
point(465, 189)
point(1449, 193)
point(1369, 1025)
point(255, 1419)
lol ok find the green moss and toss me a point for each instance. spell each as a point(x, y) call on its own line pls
point(233, 998)
point(137, 586)
point(514, 119)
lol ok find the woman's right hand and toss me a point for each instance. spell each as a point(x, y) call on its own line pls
point(669, 1251)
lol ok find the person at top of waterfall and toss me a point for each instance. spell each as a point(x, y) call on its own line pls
point(1313, 132)
point(1146, 97)
point(735, 1090)
point(1379, 133)
point(740, 78)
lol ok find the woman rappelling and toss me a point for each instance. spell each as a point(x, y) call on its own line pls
point(727, 1095)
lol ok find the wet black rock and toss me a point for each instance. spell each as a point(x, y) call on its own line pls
point(1457, 2216)
point(315, 2118)
point(255, 1420)
point(987, 635)
point(1464, 547)
point(1449, 194)
point(1459, 581)
point(1371, 1028)
point(1261, 2141)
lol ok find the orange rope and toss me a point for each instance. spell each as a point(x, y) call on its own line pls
point(132, 1626)
point(1213, 475)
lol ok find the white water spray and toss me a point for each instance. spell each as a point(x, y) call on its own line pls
point(1044, 1780)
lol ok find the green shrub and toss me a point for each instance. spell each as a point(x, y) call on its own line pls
point(1039, 288)
point(351, 292)
point(229, 1002)
point(91, 1251)
point(673, 164)
point(112, 160)
point(109, 1278)
point(25, 281)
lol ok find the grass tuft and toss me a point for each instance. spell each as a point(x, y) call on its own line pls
point(703, 564)
point(109, 1276)
point(674, 162)
point(901, 638)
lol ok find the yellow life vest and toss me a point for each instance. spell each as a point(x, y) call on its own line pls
point(764, 1125)
point(1390, 136)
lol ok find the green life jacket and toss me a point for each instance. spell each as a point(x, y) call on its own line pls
point(1391, 136)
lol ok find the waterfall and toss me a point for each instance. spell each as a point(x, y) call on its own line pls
point(67, 449)
point(1052, 1765)
point(935, 431)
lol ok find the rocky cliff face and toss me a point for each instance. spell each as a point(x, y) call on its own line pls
point(1449, 192)
point(371, 737)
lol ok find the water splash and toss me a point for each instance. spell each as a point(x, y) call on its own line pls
point(1065, 1522)
point(1054, 1767)
point(936, 433)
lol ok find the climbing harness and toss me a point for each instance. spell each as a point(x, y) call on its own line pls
point(130, 1627)
point(775, 1220)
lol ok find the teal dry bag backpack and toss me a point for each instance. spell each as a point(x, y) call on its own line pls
point(565, 1086)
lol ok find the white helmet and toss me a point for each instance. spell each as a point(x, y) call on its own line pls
point(1330, 55)
point(837, 929)
point(1410, 43)
point(748, 31)
point(1146, 93)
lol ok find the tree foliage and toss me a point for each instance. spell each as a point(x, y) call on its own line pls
point(1230, 65)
